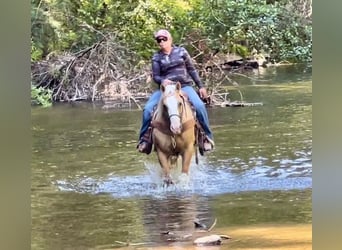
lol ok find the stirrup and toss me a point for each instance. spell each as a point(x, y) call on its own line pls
point(144, 147)
point(208, 144)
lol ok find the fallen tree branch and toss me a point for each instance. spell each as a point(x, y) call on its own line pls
point(85, 74)
point(213, 225)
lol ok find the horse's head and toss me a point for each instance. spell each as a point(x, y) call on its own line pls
point(173, 103)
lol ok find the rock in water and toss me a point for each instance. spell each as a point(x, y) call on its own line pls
point(208, 240)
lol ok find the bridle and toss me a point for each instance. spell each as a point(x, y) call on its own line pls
point(183, 114)
point(180, 114)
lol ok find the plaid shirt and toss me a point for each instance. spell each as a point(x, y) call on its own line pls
point(176, 67)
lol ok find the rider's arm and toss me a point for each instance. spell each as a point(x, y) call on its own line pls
point(191, 69)
point(156, 70)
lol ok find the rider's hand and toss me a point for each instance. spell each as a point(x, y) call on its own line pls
point(166, 82)
point(203, 93)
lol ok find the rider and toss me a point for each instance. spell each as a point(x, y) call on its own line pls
point(173, 64)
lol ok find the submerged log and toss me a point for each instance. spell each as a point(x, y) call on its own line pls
point(239, 64)
point(240, 104)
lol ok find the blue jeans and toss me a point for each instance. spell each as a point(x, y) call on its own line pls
point(201, 111)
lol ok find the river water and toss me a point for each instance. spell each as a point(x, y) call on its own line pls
point(90, 189)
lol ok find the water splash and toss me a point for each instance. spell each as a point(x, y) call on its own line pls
point(203, 179)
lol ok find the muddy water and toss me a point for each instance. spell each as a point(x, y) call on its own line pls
point(91, 190)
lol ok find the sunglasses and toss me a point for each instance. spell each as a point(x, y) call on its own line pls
point(160, 39)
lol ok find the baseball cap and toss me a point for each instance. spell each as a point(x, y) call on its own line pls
point(163, 33)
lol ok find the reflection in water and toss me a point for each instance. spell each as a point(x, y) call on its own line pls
point(172, 218)
point(90, 188)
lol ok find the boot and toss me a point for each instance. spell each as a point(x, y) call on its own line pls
point(145, 144)
point(200, 140)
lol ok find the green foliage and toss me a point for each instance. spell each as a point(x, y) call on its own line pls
point(36, 51)
point(41, 96)
point(41, 31)
point(281, 29)
point(240, 50)
point(273, 29)
point(228, 25)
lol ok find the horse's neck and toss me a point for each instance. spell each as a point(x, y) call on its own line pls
point(188, 113)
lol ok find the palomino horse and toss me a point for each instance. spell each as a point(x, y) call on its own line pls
point(173, 130)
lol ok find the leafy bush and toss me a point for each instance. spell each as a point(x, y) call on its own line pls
point(281, 29)
point(36, 52)
point(41, 96)
point(273, 29)
point(278, 29)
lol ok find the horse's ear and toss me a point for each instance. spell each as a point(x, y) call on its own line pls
point(178, 86)
point(162, 88)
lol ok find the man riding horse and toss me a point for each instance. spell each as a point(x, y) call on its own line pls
point(169, 65)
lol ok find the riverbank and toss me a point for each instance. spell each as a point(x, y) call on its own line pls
point(267, 237)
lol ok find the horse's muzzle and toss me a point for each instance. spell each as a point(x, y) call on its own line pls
point(175, 124)
point(176, 131)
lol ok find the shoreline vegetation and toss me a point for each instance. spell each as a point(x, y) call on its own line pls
point(101, 51)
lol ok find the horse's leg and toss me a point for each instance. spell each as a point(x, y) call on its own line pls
point(186, 160)
point(183, 179)
point(165, 164)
